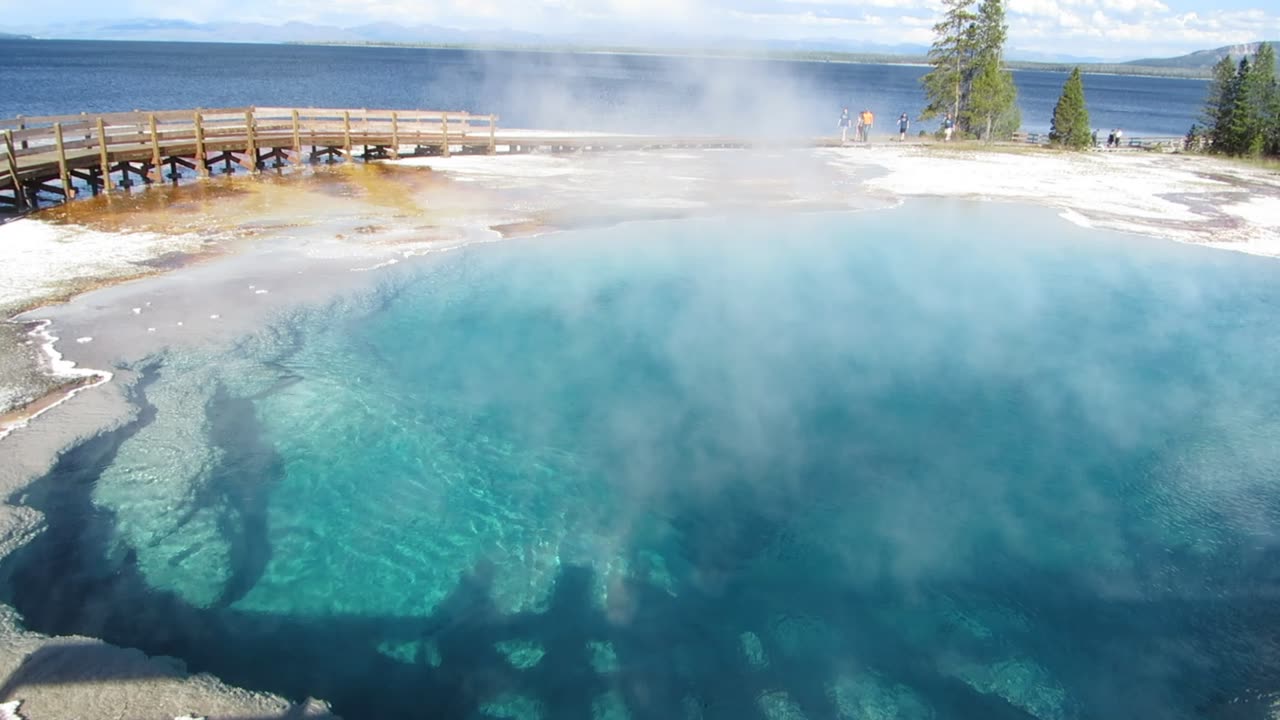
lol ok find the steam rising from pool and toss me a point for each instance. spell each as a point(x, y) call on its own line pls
point(947, 460)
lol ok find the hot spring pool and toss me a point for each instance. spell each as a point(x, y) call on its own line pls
point(949, 460)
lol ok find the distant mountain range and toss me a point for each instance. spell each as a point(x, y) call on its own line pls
point(1206, 59)
point(13, 36)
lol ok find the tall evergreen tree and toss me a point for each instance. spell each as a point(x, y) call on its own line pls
point(993, 96)
point(1218, 105)
point(1070, 126)
point(951, 56)
point(1225, 133)
point(1242, 113)
point(968, 78)
point(1247, 126)
point(1273, 125)
point(1260, 96)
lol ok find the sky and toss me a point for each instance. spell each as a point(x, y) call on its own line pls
point(1111, 29)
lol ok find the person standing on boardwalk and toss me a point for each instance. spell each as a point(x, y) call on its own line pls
point(904, 124)
point(845, 122)
point(948, 127)
point(865, 122)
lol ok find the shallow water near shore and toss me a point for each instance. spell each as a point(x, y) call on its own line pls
point(948, 460)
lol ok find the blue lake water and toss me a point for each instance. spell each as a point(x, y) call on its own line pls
point(577, 91)
point(908, 463)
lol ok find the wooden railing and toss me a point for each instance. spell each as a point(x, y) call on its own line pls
point(48, 148)
point(1143, 142)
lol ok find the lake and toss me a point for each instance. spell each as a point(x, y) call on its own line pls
point(596, 91)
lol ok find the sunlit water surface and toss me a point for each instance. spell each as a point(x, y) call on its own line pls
point(942, 461)
point(561, 91)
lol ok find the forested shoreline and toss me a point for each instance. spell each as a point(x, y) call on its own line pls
point(1242, 112)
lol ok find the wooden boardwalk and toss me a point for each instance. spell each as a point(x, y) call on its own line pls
point(1166, 143)
point(53, 158)
point(61, 155)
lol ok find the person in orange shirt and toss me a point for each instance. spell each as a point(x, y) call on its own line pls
point(866, 120)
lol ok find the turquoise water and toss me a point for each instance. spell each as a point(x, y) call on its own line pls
point(943, 461)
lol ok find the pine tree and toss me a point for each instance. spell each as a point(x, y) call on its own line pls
point(991, 29)
point(951, 56)
point(1260, 97)
point(1225, 132)
point(968, 78)
point(1070, 117)
point(993, 96)
point(1010, 121)
point(1243, 109)
point(990, 97)
point(1273, 126)
point(1218, 105)
point(1272, 122)
point(1247, 126)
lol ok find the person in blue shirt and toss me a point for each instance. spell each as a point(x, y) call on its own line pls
point(948, 127)
point(904, 124)
point(845, 123)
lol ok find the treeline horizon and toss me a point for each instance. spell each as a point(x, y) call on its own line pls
point(1242, 111)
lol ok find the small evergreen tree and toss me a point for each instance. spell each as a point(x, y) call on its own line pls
point(1070, 126)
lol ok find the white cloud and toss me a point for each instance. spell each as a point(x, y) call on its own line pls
point(933, 5)
point(1113, 35)
point(1132, 6)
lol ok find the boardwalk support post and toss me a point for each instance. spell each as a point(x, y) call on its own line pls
point(104, 159)
point(346, 134)
point(202, 159)
point(297, 138)
point(68, 192)
point(251, 149)
point(444, 128)
point(156, 160)
point(19, 197)
point(395, 135)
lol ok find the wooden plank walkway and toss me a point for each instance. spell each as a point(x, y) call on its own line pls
point(63, 155)
point(53, 158)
